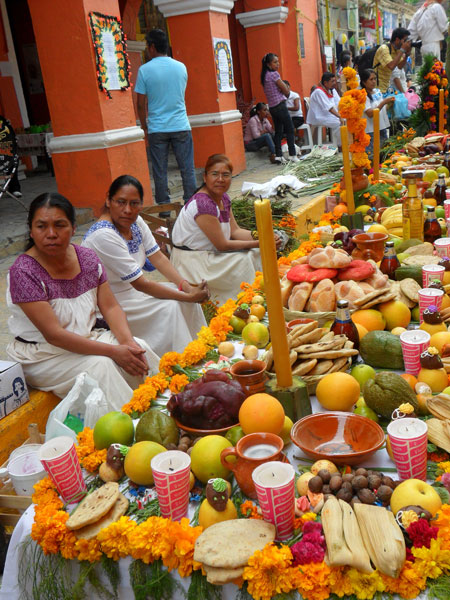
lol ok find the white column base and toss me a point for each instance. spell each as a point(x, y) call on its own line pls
point(95, 141)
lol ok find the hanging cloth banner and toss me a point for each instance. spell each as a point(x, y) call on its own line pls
point(113, 67)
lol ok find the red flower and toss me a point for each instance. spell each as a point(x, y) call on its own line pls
point(421, 533)
point(312, 546)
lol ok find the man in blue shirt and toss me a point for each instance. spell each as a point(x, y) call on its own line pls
point(160, 88)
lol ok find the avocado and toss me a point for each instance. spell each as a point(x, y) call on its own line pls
point(386, 392)
point(403, 247)
point(382, 349)
point(155, 426)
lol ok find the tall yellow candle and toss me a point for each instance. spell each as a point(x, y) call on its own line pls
point(441, 111)
point(272, 287)
point(376, 144)
point(347, 171)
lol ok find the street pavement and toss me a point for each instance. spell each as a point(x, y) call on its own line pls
point(14, 229)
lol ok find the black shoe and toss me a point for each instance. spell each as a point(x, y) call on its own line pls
point(164, 215)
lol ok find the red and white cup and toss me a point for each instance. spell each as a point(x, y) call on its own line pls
point(427, 297)
point(430, 272)
point(171, 472)
point(408, 438)
point(447, 207)
point(413, 342)
point(59, 458)
point(442, 247)
point(275, 488)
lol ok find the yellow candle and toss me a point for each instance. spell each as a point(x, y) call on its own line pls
point(376, 144)
point(347, 171)
point(278, 335)
point(441, 111)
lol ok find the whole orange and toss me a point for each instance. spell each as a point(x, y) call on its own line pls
point(261, 413)
point(409, 379)
point(338, 391)
point(361, 330)
point(369, 318)
point(395, 313)
point(257, 310)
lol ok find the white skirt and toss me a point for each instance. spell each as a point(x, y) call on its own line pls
point(54, 369)
point(166, 325)
point(224, 271)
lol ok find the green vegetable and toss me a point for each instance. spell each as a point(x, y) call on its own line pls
point(406, 244)
point(381, 349)
point(409, 271)
point(387, 391)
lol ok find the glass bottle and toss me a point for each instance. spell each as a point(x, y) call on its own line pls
point(343, 323)
point(431, 229)
point(390, 261)
point(446, 162)
point(412, 208)
point(439, 190)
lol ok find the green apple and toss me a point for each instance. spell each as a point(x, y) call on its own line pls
point(365, 411)
point(446, 391)
point(360, 402)
point(415, 314)
point(402, 255)
point(362, 373)
point(440, 212)
point(237, 324)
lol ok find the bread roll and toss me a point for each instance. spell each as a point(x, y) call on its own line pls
point(299, 296)
point(323, 297)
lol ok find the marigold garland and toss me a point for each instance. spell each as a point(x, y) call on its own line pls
point(351, 107)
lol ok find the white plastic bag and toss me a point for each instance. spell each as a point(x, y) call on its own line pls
point(85, 401)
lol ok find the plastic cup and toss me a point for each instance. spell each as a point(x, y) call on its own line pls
point(274, 484)
point(408, 438)
point(442, 246)
point(413, 342)
point(430, 272)
point(25, 470)
point(428, 296)
point(447, 207)
point(60, 460)
point(171, 475)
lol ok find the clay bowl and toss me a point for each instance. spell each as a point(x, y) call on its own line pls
point(202, 432)
point(294, 322)
point(343, 438)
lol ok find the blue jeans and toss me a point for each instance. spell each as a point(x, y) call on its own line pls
point(282, 122)
point(383, 138)
point(158, 151)
point(263, 140)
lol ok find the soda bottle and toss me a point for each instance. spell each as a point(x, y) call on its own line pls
point(412, 208)
point(431, 229)
point(390, 261)
point(343, 323)
point(439, 190)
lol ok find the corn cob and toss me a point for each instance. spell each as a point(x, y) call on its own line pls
point(382, 538)
point(338, 553)
point(353, 539)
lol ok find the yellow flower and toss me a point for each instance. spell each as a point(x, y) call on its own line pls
point(207, 337)
point(312, 581)
point(268, 572)
point(194, 352)
point(364, 585)
point(408, 584)
point(88, 550)
point(445, 467)
point(433, 561)
point(115, 539)
point(168, 360)
point(177, 383)
point(339, 582)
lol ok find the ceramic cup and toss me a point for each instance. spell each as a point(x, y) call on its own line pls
point(369, 245)
point(251, 451)
point(251, 374)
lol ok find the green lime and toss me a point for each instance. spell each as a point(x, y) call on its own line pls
point(365, 411)
point(234, 434)
point(237, 324)
point(440, 212)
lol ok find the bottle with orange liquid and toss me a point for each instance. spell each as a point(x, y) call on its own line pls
point(390, 261)
point(343, 323)
point(431, 229)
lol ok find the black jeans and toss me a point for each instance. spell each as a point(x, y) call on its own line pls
point(283, 123)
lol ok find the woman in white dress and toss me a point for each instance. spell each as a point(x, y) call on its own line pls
point(166, 315)
point(54, 291)
point(208, 243)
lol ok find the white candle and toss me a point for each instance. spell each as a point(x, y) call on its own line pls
point(273, 474)
point(407, 428)
point(260, 451)
point(170, 461)
point(415, 335)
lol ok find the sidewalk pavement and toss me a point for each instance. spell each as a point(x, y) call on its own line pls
point(14, 229)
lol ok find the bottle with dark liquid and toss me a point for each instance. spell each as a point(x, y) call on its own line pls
point(344, 324)
point(446, 162)
point(390, 261)
point(439, 191)
point(431, 228)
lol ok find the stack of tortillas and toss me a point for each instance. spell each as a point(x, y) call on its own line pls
point(224, 548)
point(97, 510)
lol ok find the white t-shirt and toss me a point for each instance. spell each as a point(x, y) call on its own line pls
point(319, 109)
point(290, 102)
point(377, 97)
point(429, 23)
point(400, 74)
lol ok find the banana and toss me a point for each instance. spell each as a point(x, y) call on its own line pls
point(393, 211)
point(398, 231)
point(394, 221)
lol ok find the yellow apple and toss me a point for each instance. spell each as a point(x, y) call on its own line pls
point(415, 492)
point(302, 483)
point(324, 464)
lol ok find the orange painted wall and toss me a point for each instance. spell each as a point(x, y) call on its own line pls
point(311, 64)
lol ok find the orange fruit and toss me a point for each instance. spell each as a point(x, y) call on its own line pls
point(114, 427)
point(395, 313)
point(137, 462)
point(340, 209)
point(445, 300)
point(409, 379)
point(338, 391)
point(261, 413)
point(438, 340)
point(429, 202)
point(361, 330)
point(205, 458)
point(257, 310)
point(369, 318)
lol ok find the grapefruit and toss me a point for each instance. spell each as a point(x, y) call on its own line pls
point(256, 334)
point(369, 318)
point(261, 413)
point(438, 340)
point(114, 427)
point(205, 458)
point(137, 462)
point(395, 313)
point(338, 391)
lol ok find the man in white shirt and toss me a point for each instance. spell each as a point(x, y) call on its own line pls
point(429, 24)
point(323, 107)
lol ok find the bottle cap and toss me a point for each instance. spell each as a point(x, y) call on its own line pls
point(413, 174)
point(342, 304)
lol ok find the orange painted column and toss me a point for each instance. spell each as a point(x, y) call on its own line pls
point(96, 138)
point(214, 117)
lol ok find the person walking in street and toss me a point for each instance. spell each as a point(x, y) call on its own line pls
point(429, 25)
point(276, 92)
point(160, 87)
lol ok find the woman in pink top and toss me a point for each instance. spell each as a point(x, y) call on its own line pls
point(259, 131)
point(276, 93)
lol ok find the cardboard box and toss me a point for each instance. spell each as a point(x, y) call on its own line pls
point(13, 389)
